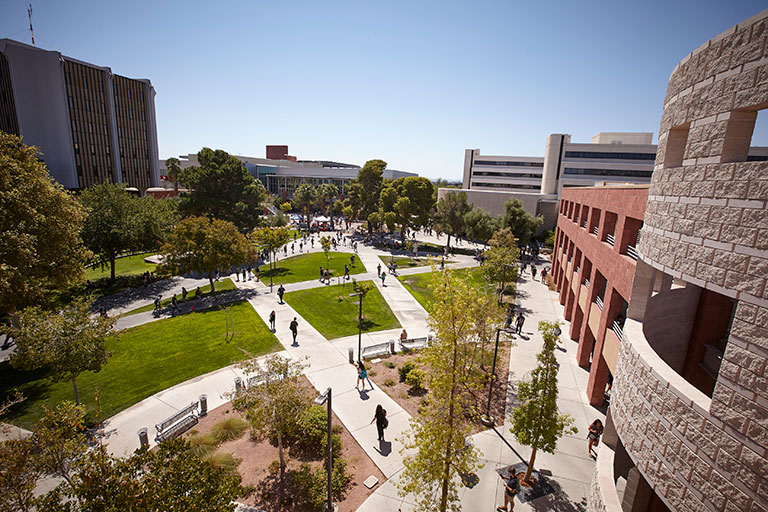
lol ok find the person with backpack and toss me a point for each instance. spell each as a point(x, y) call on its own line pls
point(511, 489)
point(362, 375)
point(520, 321)
point(381, 421)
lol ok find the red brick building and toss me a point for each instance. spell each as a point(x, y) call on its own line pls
point(593, 268)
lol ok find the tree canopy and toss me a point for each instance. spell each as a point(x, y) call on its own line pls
point(222, 188)
point(305, 196)
point(406, 202)
point(523, 224)
point(480, 225)
point(202, 245)
point(40, 245)
point(364, 191)
point(451, 210)
point(66, 343)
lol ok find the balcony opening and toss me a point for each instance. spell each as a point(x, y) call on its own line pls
point(584, 217)
point(758, 146)
point(594, 223)
point(609, 228)
point(677, 139)
point(630, 237)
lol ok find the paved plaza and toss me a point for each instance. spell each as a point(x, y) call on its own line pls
point(569, 470)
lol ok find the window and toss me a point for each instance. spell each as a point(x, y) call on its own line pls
point(506, 185)
point(101, 86)
point(68, 78)
point(103, 108)
point(74, 126)
point(85, 82)
point(606, 172)
point(105, 130)
point(90, 128)
point(87, 104)
point(129, 93)
point(509, 164)
point(71, 102)
point(610, 156)
point(141, 95)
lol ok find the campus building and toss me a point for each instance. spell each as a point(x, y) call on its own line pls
point(282, 174)
point(682, 320)
point(92, 126)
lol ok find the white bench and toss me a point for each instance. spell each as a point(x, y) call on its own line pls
point(414, 343)
point(379, 349)
point(177, 424)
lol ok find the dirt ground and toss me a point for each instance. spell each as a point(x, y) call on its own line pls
point(256, 456)
point(400, 392)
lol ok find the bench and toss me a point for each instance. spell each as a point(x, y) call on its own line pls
point(414, 343)
point(177, 424)
point(379, 349)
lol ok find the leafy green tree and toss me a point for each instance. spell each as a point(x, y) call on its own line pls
point(419, 193)
point(270, 240)
point(66, 343)
point(537, 422)
point(40, 244)
point(286, 206)
point(480, 225)
point(375, 219)
point(451, 210)
point(325, 243)
point(174, 168)
point(501, 259)
point(439, 435)
point(305, 196)
point(441, 183)
point(222, 188)
point(276, 404)
point(338, 207)
point(18, 476)
point(364, 191)
point(326, 193)
point(202, 245)
point(523, 224)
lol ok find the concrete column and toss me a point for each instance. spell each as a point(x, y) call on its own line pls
point(552, 158)
point(642, 288)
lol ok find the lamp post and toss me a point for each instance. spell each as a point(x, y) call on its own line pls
point(504, 283)
point(359, 325)
point(320, 400)
point(487, 419)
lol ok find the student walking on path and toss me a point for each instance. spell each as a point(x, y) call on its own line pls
point(595, 431)
point(272, 320)
point(520, 322)
point(381, 421)
point(383, 277)
point(280, 293)
point(294, 329)
point(362, 375)
point(511, 488)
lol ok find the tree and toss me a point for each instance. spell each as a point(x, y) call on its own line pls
point(325, 243)
point(522, 223)
point(40, 244)
point(501, 259)
point(286, 206)
point(66, 343)
point(480, 225)
point(364, 191)
point(326, 193)
point(304, 197)
point(439, 435)
point(441, 183)
point(419, 193)
point(222, 188)
point(18, 476)
point(202, 245)
point(537, 422)
point(275, 404)
point(451, 210)
point(155, 221)
point(174, 167)
point(269, 240)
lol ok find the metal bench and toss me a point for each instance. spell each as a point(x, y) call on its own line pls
point(379, 349)
point(414, 343)
point(178, 423)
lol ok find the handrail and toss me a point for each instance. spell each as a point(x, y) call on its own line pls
point(599, 301)
point(586, 283)
point(595, 230)
point(632, 252)
point(610, 239)
point(617, 329)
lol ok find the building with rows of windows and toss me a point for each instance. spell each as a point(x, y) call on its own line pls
point(666, 292)
point(92, 126)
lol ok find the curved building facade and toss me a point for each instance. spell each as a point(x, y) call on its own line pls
point(688, 416)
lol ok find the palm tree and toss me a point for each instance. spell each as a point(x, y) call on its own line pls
point(304, 197)
point(327, 192)
point(174, 166)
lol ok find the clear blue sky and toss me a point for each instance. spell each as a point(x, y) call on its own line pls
point(413, 83)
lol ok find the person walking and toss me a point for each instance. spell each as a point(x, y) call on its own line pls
point(381, 421)
point(198, 293)
point(378, 269)
point(183, 293)
point(595, 431)
point(322, 273)
point(257, 273)
point(511, 489)
point(280, 293)
point(520, 322)
point(352, 260)
point(346, 272)
point(533, 272)
point(272, 320)
point(327, 277)
point(157, 306)
point(362, 375)
point(383, 277)
point(293, 248)
point(174, 305)
point(294, 329)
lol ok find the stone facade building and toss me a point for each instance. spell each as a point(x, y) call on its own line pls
point(687, 428)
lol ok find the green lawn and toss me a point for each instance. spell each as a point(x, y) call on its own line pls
point(418, 284)
point(306, 267)
point(145, 360)
point(223, 286)
point(336, 318)
point(128, 266)
point(407, 261)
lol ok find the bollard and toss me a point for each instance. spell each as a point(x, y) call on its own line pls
point(392, 347)
point(203, 405)
point(352, 355)
point(238, 384)
point(143, 438)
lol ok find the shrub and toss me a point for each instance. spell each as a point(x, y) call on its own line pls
point(371, 373)
point(310, 430)
point(274, 467)
point(335, 443)
point(229, 429)
point(416, 378)
point(389, 383)
point(311, 483)
point(202, 445)
point(405, 369)
point(389, 364)
point(223, 460)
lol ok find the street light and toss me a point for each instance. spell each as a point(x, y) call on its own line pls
point(504, 283)
point(359, 325)
point(487, 420)
point(320, 400)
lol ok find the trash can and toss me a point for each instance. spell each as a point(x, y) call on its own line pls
point(203, 405)
point(352, 355)
point(238, 384)
point(143, 438)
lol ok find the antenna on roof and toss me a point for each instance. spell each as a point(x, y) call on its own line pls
point(31, 30)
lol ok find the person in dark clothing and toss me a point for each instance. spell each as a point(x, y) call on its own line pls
point(381, 421)
point(511, 489)
point(183, 293)
point(520, 322)
point(272, 320)
point(294, 329)
point(280, 293)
